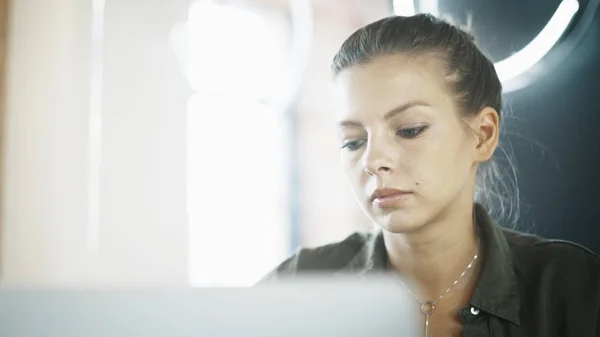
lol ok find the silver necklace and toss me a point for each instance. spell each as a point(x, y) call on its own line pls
point(428, 307)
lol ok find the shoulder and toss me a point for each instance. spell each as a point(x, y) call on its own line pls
point(553, 285)
point(560, 279)
point(563, 266)
point(329, 257)
point(531, 250)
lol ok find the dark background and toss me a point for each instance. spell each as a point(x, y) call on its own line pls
point(555, 128)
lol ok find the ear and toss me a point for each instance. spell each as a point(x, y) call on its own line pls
point(487, 127)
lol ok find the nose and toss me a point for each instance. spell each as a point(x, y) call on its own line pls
point(377, 160)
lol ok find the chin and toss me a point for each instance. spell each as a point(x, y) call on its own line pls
point(397, 221)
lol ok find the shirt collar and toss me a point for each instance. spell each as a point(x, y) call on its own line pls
point(497, 291)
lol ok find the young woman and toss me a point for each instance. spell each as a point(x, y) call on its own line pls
point(419, 119)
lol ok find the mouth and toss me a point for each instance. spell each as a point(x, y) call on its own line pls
point(388, 197)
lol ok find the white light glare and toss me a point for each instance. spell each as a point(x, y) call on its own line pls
point(228, 60)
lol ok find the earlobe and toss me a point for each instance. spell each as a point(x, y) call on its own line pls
point(488, 131)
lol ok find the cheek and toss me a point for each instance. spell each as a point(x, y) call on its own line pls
point(353, 169)
point(441, 166)
point(351, 162)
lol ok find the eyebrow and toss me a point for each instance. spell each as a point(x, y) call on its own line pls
point(390, 114)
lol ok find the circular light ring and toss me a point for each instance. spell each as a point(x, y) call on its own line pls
point(560, 51)
point(522, 61)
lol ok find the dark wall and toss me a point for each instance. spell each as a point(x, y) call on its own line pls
point(556, 119)
point(558, 146)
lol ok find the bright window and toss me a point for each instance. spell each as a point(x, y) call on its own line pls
point(236, 146)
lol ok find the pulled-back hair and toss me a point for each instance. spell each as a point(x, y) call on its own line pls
point(470, 74)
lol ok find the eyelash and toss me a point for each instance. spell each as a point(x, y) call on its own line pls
point(418, 130)
point(353, 145)
point(408, 133)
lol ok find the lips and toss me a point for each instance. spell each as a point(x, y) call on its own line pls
point(389, 197)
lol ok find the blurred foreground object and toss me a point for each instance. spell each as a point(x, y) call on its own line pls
point(326, 307)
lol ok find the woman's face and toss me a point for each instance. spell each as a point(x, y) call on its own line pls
point(406, 151)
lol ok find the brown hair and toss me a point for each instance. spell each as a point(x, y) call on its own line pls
point(470, 74)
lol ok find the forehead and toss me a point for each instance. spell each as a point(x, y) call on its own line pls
point(387, 82)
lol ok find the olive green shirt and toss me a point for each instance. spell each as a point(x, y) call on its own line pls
point(528, 286)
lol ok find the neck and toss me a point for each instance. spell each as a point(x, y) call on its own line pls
point(434, 256)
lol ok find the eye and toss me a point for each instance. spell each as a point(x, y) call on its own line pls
point(411, 132)
point(353, 145)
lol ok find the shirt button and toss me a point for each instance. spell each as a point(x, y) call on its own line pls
point(474, 311)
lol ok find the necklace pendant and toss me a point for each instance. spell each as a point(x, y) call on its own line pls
point(427, 308)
